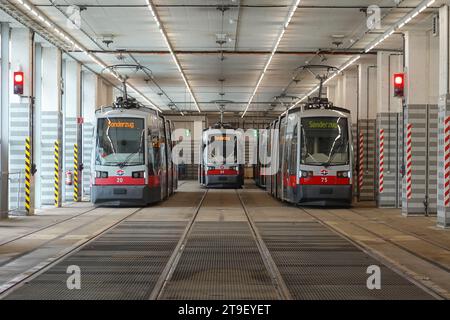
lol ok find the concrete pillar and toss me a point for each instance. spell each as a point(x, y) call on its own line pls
point(350, 93)
point(4, 122)
point(331, 93)
point(20, 119)
point(389, 120)
point(443, 207)
point(419, 181)
point(367, 79)
point(51, 125)
point(104, 93)
point(339, 93)
point(38, 128)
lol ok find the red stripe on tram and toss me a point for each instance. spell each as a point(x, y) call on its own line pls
point(224, 172)
point(331, 180)
point(125, 181)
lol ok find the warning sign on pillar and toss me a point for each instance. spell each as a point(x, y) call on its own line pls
point(361, 162)
point(80, 120)
point(381, 180)
point(409, 161)
point(447, 162)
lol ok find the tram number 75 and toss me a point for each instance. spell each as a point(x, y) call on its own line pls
point(324, 180)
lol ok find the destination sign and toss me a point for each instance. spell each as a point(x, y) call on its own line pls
point(221, 138)
point(121, 124)
point(321, 124)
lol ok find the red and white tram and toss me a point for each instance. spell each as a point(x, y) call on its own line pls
point(132, 160)
point(315, 156)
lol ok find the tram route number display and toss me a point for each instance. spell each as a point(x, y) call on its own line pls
point(321, 124)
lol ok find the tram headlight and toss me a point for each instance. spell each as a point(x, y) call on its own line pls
point(138, 174)
point(101, 174)
point(306, 174)
point(343, 174)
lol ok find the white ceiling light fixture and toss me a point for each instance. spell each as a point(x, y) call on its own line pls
point(55, 30)
point(274, 50)
point(172, 53)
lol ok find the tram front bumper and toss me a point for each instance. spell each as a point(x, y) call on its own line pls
point(120, 195)
point(222, 180)
point(324, 195)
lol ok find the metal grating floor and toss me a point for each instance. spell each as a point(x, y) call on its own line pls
point(124, 263)
point(318, 264)
point(220, 261)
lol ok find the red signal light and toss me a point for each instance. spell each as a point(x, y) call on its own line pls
point(18, 82)
point(399, 85)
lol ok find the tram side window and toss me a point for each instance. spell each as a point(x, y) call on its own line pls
point(152, 152)
point(162, 146)
point(293, 152)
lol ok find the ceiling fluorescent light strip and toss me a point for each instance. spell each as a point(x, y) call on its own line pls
point(172, 53)
point(68, 39)
point(273, 52)
point(404, 21)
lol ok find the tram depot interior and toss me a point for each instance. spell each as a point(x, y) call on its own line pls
point(225, 150)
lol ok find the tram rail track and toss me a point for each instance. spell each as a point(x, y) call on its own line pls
point(417, 255)
point(277, 279)
point(175, 257)
point(32, 273)
point(47, 226)
point(376, 255)
point(411, 233)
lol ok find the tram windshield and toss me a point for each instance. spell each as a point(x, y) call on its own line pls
point(324, 141)
point(120, 142)
point(222, 149)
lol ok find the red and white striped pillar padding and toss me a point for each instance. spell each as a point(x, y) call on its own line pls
point(447, 162)
point(408, 161)
point(381, 182)
point(361, 162)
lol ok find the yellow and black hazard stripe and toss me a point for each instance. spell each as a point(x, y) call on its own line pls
point(76, 194)
point(57, 202)
point(28, 174)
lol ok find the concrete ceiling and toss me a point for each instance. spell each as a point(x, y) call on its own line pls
point(252, 28)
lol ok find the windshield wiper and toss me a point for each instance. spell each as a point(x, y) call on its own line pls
point(127, 160)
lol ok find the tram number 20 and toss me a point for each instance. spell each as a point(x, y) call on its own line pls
point(324, 180)
point(119, 180)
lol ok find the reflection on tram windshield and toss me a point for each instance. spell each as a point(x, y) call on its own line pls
point(120, 142)
point(324, 141)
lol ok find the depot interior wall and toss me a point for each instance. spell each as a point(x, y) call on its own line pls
point(188, 132)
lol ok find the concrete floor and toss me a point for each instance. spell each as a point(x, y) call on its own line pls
point(412, 246)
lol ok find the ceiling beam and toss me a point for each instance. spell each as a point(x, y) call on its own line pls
point(214, 6)
point(227, 52)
